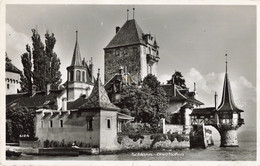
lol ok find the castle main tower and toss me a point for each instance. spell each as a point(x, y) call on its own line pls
point(136, 51)
point(80, 80)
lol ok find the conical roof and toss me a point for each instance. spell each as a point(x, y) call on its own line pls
point(129, 34)
point(76, 59)
point(227, 101)
point(98, 98)
point(9, 66)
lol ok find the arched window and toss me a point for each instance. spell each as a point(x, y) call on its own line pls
point(83, 76)
point(71, 76)
point(77, 75)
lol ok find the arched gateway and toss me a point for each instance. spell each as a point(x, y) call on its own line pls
point(226, 118)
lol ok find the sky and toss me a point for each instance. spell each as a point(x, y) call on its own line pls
point(193, 39)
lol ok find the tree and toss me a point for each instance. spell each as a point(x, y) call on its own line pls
point(177, 79)
point(19, 121)
point(26, 77)
point(145, 104)
point(46, 64)
point(151, 81)
point(39, 61)
point(53, 75)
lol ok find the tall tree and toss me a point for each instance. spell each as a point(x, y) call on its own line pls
point(52, 63)
point(46, 64)
point(26, 76)
point(38, 61)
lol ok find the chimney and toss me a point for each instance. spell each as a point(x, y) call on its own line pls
point(194, 86)
point(120, 70)
point(117, 29)
point(64, 104)
point(215, 97)
point(33, 91)
point(48, 88)
point(125, 69)
point(91, 66)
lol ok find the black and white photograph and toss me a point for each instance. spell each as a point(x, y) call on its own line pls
point(130, 82)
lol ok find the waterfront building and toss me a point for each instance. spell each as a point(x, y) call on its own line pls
point(92, 120)
point(226, 118)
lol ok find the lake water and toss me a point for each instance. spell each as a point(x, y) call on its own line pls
point(245, 152)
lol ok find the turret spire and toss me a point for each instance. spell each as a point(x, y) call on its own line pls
point(226, 62)
point(76, 59)
point(133, 13)
point(227, 101)
point(127, 14)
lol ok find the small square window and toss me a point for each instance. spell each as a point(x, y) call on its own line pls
point(51, 124)
point(108, 123)
point(8, 87)
point(61, 123)
point(89, 123)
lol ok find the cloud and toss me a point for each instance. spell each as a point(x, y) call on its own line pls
point(16, 40)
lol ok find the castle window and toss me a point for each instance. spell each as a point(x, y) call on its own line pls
point(83, 76)
point(89, 123)
point(117, 52)
point(51, 123)
point(108, 123)
point(71, 76)
point(8, 87)
point(77, 75)
point(61, 123)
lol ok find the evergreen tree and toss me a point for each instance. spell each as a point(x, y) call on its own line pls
point(53, 75)
point(46, 64)
point(26, 76)
point(38, 61)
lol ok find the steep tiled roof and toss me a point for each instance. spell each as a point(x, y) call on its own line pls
point(98, 98)
point(203, 111)
point(227, 102)
point(129, 34)
point(9, 66)
point(181, 94)
point(37, 101)
point(76, 59)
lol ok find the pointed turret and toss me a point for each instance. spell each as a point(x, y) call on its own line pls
point(99, 98)
point(76, 59)
point(79, 77)
point(227, 101)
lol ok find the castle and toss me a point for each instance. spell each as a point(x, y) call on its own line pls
point(84, 112)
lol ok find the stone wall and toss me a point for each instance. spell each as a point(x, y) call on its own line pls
point(130, 58)
point(153, 141)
